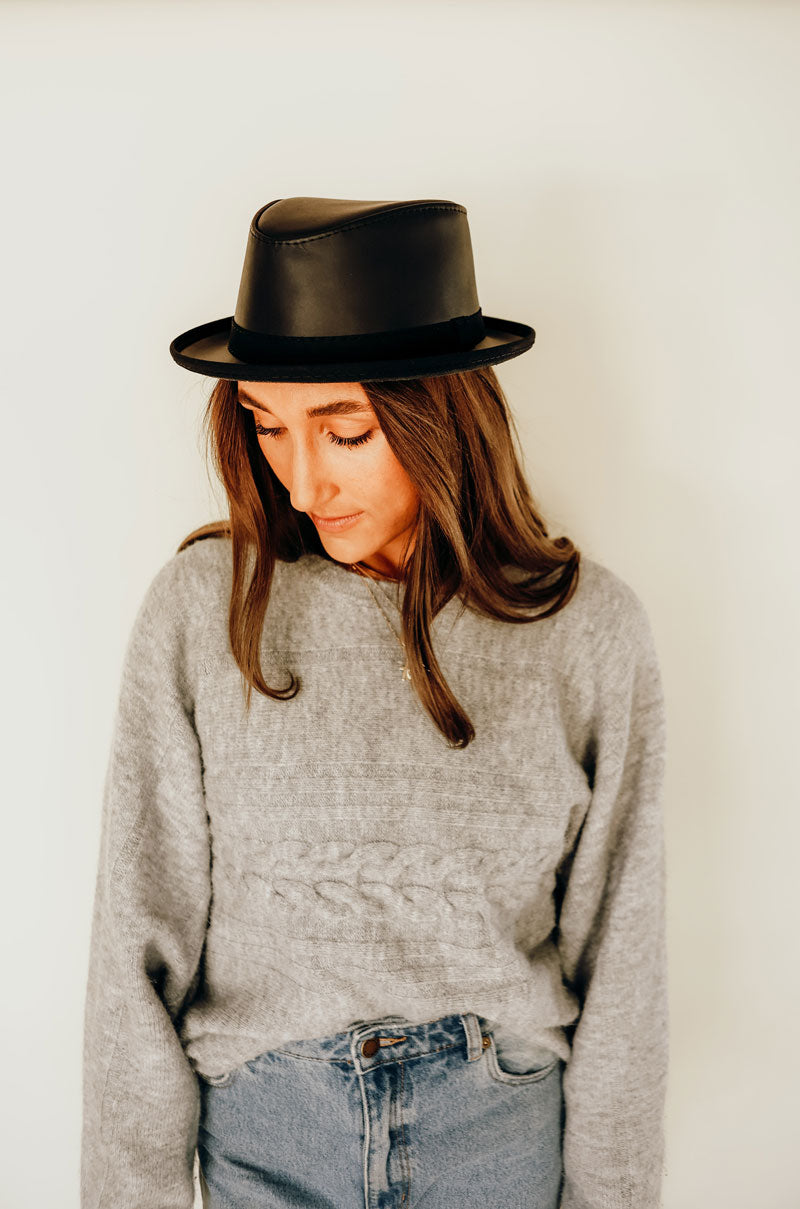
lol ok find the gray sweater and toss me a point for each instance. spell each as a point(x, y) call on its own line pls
point(276, 876)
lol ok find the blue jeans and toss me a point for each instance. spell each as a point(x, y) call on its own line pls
point(388, 1113)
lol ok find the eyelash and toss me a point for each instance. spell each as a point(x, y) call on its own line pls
point(350, 442)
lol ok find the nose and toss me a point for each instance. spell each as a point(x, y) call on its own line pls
point(308, 486)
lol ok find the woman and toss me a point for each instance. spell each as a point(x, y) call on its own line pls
point(391, 930)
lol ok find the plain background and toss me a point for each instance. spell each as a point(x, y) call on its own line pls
point(631, 176)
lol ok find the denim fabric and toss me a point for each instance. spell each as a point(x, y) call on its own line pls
point(388, 1113)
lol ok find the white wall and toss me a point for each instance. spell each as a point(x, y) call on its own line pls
point(632, 180)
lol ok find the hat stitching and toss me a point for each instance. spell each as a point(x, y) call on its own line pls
point(393, 216)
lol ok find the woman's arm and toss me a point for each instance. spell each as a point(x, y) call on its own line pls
point(140, 1095)
point(612, 937)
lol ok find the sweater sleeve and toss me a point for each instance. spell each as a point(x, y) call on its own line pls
point(612, 937)
point(141, 1097)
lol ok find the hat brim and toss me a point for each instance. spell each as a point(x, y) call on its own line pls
point(204, 350)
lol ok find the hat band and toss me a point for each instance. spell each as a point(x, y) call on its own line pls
point(463, 332)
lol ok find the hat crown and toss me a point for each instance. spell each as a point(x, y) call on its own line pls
point(290, 218)
point(325, 269)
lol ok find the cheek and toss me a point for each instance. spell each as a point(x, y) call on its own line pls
point(278, 455)
point(388, 480)
point(272, 461)
point(397, 502)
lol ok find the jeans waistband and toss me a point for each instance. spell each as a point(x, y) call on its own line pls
point(368, 1043)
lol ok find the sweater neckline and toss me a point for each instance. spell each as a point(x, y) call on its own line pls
point(354, 586)
point(351, 583)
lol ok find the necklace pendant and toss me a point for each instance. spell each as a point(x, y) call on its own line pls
point(406, 672)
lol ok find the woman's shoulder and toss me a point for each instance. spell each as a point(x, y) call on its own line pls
point(601, 588)
point(206, 556)
point(180, 590)
point(607, 609)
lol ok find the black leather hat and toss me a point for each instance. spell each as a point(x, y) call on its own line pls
point(353, 291)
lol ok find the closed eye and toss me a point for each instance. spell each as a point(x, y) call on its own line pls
point(335, 440)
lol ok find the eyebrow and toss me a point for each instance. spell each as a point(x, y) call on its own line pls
point(337, 407)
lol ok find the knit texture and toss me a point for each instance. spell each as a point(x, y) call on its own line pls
point(274, 876)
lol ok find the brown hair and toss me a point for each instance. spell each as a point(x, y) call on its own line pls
point(454, 436)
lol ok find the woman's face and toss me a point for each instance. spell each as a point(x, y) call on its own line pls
point(326, 477)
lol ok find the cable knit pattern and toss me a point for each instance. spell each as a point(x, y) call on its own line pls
point(276, 875)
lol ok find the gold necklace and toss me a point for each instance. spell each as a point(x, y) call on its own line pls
point(406, 668)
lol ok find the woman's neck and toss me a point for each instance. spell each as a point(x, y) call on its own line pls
point(368, 572)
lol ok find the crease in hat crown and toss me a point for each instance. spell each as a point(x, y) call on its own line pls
point(340, 289)
point(333, 214)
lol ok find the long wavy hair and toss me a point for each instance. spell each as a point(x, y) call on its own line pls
point(454, 435)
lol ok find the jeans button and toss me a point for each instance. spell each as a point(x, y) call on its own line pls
point(370, 1046)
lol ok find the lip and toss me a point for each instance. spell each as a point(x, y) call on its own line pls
point(335, 523)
